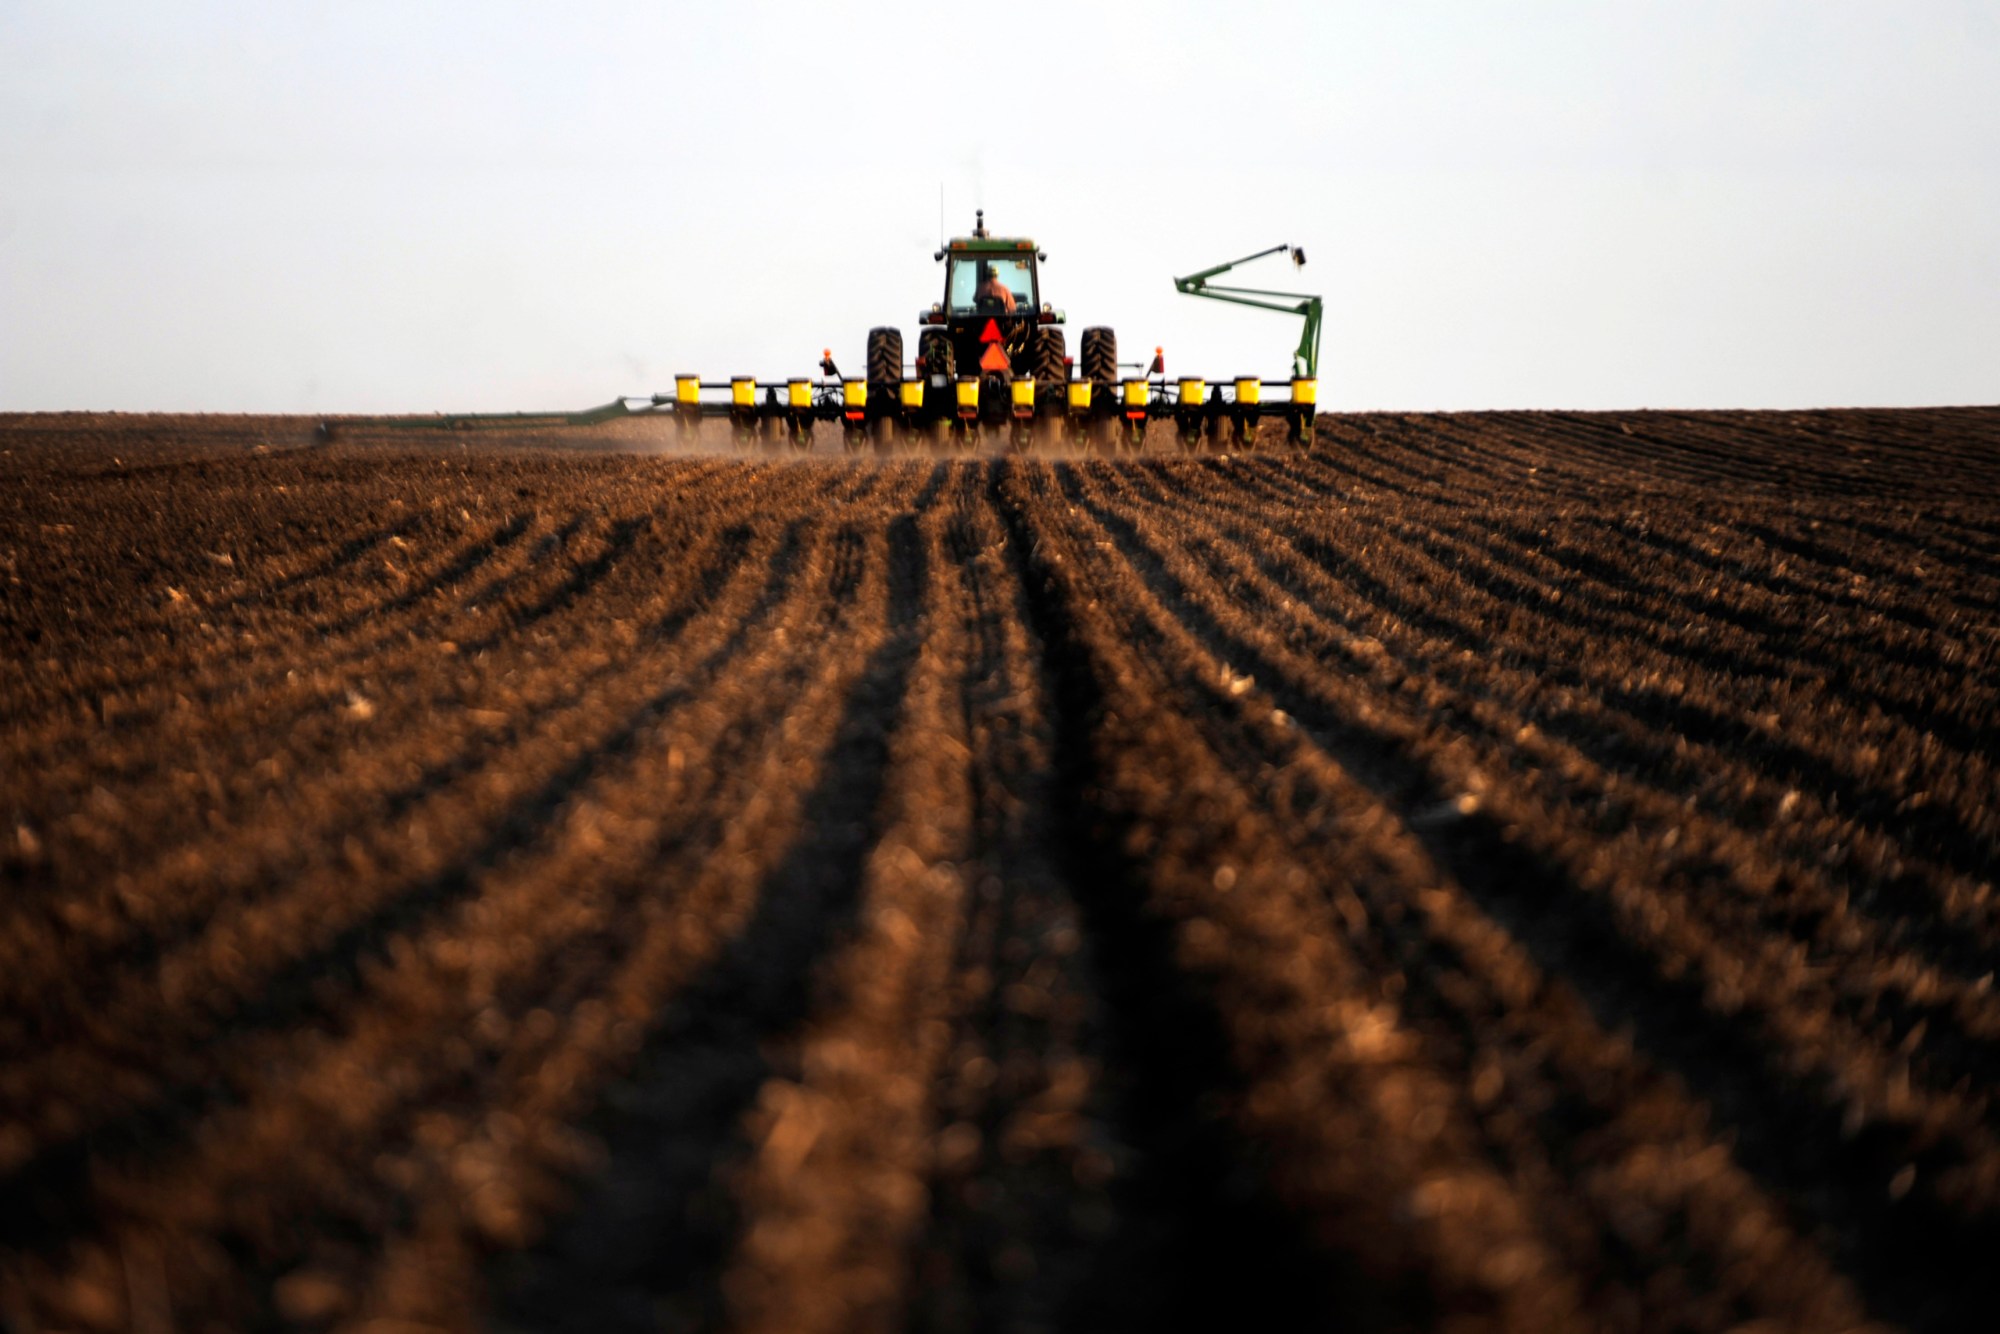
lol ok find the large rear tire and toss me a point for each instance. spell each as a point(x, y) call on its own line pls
point(885, 373)
point(1097, 360)
point(1051, 367)
point(935, 352)
point(1099, 357)
point(885, 358)
point(938, 360)
point(1050, 353)
point(885, 370)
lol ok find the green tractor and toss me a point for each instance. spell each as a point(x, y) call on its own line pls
point(992, 352)
point(992, 358)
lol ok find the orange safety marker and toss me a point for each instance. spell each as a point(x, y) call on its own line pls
point(995, 359)
point(991, 333)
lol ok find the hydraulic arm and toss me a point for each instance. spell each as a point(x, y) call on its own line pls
point(1305, 361)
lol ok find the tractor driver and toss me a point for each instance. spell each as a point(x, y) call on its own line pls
point(993, 295)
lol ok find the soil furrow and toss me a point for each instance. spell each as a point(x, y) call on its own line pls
point(514, 806)
point(1458, 973)
point(1807, 1059)
point(1565, 743)
point(1521, 870)
point(1329, 1085)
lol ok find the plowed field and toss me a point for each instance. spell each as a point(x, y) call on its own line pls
point(1520, 871)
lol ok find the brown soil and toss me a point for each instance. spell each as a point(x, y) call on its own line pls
point(1515, 871)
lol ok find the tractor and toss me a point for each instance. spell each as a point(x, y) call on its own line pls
point(991, 329)
point(991, 358)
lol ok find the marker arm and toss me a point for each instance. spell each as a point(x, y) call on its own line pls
point(1305, 361)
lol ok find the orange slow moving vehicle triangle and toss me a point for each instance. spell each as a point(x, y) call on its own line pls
point(995, 357)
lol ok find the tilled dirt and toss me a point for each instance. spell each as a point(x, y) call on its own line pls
point(1518, 871)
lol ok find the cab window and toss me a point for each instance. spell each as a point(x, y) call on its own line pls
point(969, 271)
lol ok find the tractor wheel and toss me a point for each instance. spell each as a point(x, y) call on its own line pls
point(885, 369)
point(1051, 371)
point(1099, 353)
point(885, 359)
point(934, 351)
point(1050, 349)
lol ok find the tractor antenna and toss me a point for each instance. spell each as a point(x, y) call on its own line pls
point(940, 215)
point(979, 222)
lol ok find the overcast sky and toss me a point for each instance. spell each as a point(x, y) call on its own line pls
point(366, 207)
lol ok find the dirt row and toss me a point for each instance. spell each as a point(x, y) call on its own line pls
point(1517, 871)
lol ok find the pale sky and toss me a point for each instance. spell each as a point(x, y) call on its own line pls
point(464, 206)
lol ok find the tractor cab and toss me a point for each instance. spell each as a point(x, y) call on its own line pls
point(987, 276)
point(992, 302)
point(983, 283)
